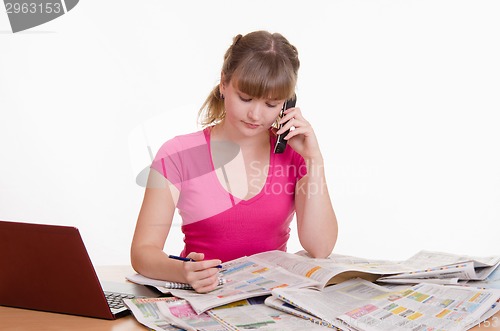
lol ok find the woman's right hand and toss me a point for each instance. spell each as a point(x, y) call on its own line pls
point(203, 276)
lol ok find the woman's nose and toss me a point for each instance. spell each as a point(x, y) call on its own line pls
point(255, 111)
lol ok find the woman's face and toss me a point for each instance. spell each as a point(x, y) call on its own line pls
point(247, 114)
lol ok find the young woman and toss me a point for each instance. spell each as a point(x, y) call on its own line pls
point(235, 195)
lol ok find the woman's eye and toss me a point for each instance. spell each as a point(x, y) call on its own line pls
point(270, 105)
point(245, 99)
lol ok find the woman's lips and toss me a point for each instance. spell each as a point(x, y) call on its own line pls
point(251, 125)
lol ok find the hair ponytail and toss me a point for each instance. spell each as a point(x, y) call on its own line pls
point(212, 110)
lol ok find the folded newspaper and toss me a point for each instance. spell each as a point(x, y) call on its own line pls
point(444, 268)
point(169, 314)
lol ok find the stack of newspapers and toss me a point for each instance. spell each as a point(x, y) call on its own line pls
point(283, 291)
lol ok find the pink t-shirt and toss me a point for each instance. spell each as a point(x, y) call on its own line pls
point(215, 222)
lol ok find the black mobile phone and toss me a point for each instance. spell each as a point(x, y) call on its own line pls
point(281, 142)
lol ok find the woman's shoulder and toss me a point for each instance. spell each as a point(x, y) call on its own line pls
point(193, 137)
point(184, 141)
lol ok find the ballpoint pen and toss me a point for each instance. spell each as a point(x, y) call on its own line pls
point(186, 259)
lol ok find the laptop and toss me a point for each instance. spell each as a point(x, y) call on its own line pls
point(47, 268)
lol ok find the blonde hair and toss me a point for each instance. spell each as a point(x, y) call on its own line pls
point(263, 65)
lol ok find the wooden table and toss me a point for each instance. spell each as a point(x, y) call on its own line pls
point(24, 320)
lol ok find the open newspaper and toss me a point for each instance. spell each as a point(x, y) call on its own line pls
point(247, 277)
point(360, 305)
point(431, 266)
point(260, 273)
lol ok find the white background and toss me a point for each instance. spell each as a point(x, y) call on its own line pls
point(403, 95)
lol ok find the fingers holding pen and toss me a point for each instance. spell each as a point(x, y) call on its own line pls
point(202, 275)
point(200, 263)
point(201, 278)
point(205, 285)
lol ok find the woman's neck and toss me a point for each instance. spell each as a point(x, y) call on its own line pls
point(222, 132)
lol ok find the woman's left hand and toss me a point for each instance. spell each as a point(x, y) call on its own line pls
point(301, 136)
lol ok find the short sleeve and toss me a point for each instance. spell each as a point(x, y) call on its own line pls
point(300, 165)
point(168, 162)
point(183, 158)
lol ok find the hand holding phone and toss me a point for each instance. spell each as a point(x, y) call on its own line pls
point(281, 142)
